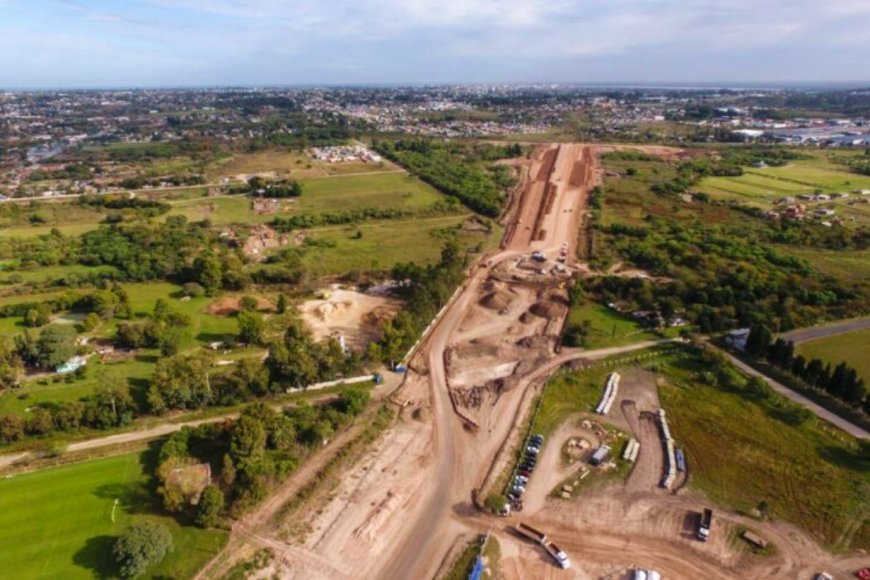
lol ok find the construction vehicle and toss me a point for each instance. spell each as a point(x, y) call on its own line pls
point(704, 527)
point(557, 554)
point(531, 533)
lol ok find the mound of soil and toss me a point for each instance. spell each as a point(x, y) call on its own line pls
point(229, 305)
point(496, 300)
point(548, 309)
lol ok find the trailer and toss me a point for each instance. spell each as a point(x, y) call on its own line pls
point(531, 533)
point(681, 460)
point(600, 456)
point(706, 523)
point(557, 554)
point(755, 539)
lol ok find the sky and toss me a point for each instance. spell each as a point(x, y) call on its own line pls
point(153, 43)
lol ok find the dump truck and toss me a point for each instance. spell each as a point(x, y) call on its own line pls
point(531, 533)
point(704, 527)
point(560, 556)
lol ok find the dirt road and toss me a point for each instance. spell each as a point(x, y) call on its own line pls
point(815, 332)
point(402, 507)
point(391, 382)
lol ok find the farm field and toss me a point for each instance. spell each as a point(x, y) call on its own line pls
point(58, 523)
point(324, 194)
point(761, 187)
point(284, 164)
point(801, 471)
point(850, 347)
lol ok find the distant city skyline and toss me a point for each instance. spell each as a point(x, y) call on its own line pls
point(200, 43)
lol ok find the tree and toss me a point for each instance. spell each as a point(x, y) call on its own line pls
point(141, 546)
point(11, 428)
point(248, 303)
point(251, 327)
point(38, 316)
point(281, 306)
point(248, 440)
point(193, 290)
point(208, 273)
point(855, 392)
point(814, 372)
point(758, 341)
point(352, 401)
point(90, 322)
point(39, 422)
point(180, 382)
point(837, 385)
point(799, 366)
point(56, 345)
point(211, 503)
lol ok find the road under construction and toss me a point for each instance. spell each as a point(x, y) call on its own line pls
point(402, 508)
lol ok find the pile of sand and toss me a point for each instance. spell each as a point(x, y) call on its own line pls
point(498, 300)
point(548, 309)
point(354, 315)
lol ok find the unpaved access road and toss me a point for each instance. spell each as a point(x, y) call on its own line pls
point(815, 332)
point(402, 507)
point(391, 382)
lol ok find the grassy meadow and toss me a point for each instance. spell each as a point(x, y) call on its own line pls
point(606, 327)
point(850, 347)
point(802, 471)
point(59, 522)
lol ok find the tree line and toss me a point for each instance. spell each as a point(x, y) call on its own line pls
point(454, 168)
point(841, 382)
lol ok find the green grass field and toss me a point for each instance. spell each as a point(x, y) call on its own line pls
point(50, 273)
point(850, 347)
point(568, 393)
point(57, 523)
point(132, 373)
point(608, 328)
point(743, 449)
point(384, 244)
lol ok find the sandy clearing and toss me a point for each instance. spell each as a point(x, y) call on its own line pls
point(349, 313)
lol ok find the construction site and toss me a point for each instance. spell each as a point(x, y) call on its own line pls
point(404, 508)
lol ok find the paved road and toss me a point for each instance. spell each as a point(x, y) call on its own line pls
point(812, 333)
point(820, 411)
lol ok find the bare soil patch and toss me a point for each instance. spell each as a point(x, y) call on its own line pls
point(349, 313)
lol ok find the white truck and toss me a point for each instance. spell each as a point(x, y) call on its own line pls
point(706, 523)
point(540, 537)
point(558, 554)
